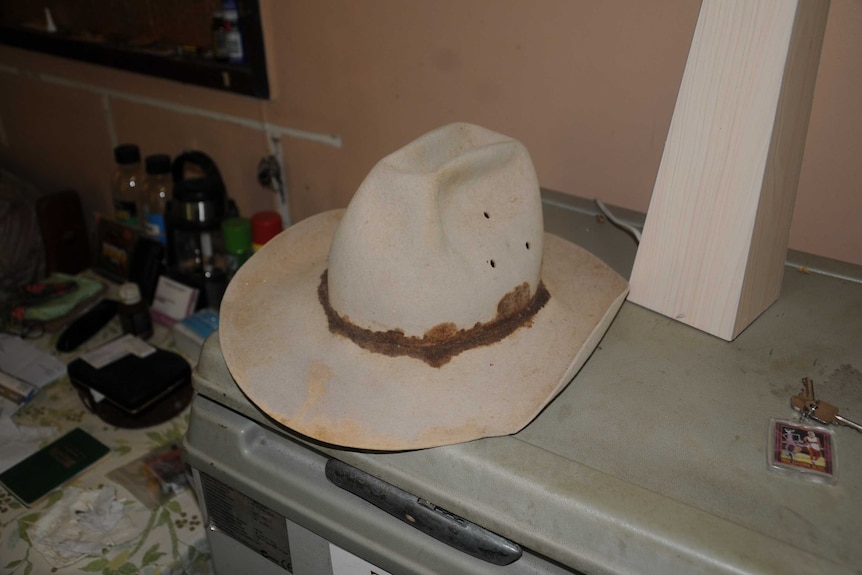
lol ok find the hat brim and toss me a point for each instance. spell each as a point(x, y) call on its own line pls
point(277, 345)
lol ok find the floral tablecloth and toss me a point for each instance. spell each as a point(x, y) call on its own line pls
point(170, 539)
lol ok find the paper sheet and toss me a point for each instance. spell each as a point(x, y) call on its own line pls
point(22, 359)
point(16, 443)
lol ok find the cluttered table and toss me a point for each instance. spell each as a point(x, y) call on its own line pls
point(110, 518)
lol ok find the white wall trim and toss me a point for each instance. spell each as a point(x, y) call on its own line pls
point(333, 140)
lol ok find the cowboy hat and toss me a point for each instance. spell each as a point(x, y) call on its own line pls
point(433, 310)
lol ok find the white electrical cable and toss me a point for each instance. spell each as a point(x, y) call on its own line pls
point(620, 224)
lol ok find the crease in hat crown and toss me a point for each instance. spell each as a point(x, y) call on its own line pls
point(439, 233)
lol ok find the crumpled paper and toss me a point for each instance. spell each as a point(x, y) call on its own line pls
point(82, 523)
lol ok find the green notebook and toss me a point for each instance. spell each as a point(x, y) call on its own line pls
point(34, 477)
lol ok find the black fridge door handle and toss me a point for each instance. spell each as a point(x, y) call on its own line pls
point(435, 521)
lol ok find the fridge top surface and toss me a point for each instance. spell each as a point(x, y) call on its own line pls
point(658, 447)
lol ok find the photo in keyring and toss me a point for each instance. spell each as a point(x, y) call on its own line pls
point(802, 449)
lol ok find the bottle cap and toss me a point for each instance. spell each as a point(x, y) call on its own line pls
point(237, 235)
point(127, 154)
point(158, 164)
point(264, 227)
point(130, 293)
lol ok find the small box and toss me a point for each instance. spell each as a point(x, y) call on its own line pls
point(173, 301)
point(14, 393)
point(191, 332)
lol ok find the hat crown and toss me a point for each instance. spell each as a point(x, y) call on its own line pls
point(440, 232)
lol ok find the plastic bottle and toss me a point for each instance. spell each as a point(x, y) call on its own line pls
point(237, 243)
point(233, 35)
point(125, 183)
point(220, 51)
point(156, 192)
point(264, 227)
point(133, 311)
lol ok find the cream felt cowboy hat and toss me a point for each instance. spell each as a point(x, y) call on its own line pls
point(433, 310)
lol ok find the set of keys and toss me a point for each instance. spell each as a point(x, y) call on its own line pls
point(819, 410)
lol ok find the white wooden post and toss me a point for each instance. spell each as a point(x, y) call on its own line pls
point(714, 244)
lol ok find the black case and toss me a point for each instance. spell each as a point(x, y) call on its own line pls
point(134, 383)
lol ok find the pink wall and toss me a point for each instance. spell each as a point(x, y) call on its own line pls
point(589, 87)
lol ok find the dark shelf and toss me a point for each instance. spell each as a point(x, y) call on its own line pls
point(249, 79)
